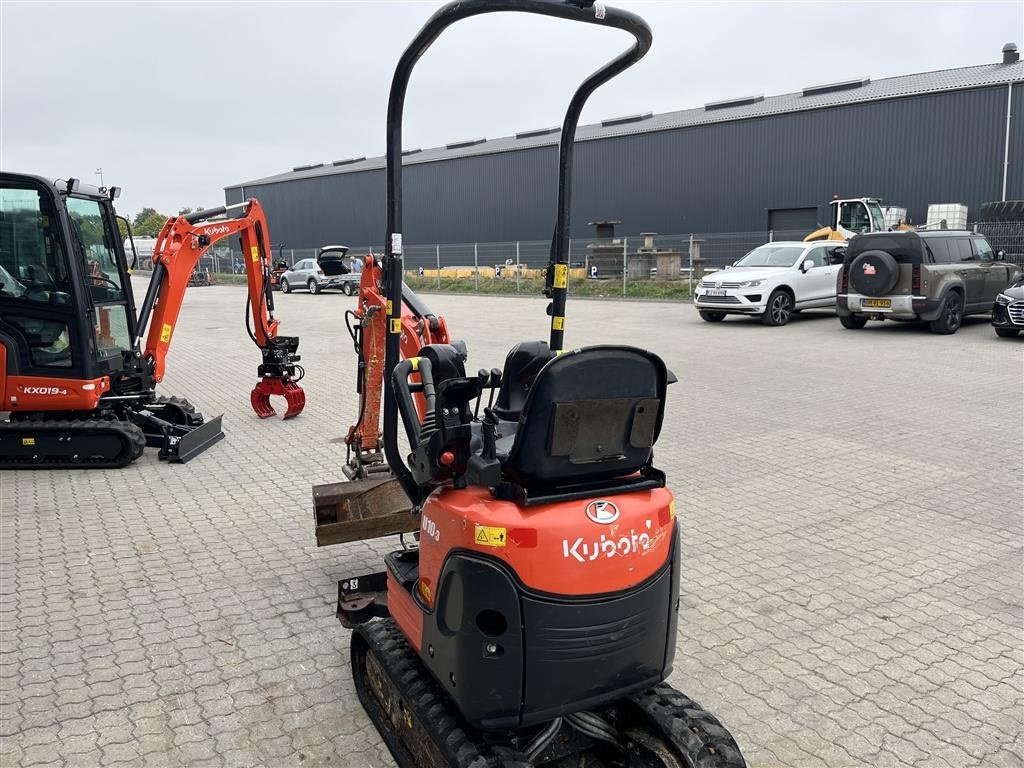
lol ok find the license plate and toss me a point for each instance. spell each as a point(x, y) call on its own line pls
point(715, 291)
point(877, 303)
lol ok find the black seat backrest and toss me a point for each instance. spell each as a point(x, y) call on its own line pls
point(522, 365)
point(592, 414)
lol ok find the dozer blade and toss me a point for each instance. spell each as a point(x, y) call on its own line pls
point(361, 509)
point(293, 394)
point(191, 444)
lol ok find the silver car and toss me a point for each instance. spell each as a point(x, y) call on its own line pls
point(330, 269)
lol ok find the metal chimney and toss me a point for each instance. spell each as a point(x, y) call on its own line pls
point(1010, 54)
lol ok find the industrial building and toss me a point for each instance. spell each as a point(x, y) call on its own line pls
point(750, 164)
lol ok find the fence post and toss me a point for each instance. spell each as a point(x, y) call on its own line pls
point(438, 251)
point(624, 241)
point(691, 266)
point(517, 266)
point(292, 252)
point(476, 268)
point(771, 235)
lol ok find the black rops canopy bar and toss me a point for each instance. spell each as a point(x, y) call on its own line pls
point(558, 266)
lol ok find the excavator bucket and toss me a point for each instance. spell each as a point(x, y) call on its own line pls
point(361, 509)
point(293, 394)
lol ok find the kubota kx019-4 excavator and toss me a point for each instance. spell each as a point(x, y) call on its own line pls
point(535, 622)
point(77, 369)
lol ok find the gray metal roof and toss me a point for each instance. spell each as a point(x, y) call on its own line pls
point(871, 90)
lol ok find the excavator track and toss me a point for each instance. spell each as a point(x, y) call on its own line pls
point(659, 728)
point(69, 444)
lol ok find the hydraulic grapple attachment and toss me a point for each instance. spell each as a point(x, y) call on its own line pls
point(279, 376)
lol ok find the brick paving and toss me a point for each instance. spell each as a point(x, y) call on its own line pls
point(852, 532)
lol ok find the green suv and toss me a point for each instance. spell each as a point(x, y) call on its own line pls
point(937, 276)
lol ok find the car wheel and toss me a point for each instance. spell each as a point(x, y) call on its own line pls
point(348, 288)
point(710, 316)
point(313, 285)
point(853, 322)
point(779, 309)
point(285, 288)
point(1007, 333)
point(951, 315)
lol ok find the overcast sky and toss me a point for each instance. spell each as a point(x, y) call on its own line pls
point(177, 100)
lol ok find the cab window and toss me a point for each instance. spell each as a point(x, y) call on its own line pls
point(854, 217)
point(92, 228)
point(33, 266)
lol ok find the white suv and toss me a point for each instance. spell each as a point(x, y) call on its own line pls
point(772, 282)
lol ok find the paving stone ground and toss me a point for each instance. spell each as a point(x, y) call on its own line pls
point(851, 508)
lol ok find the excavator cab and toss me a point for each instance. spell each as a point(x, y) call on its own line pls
point(62, 259)
point(849, 217)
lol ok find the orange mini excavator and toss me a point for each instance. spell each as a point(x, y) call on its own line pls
point(533, 622)
point(78, 369)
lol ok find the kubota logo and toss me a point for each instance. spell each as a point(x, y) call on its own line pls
point(585, 551)
point(42, 391)
point(223, 229)
point(603, 512)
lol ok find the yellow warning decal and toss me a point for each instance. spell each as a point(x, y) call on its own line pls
point(558, 322)
point(489, 536)
point(255, 253)
point(415, 362)
point(28, 441)
point(389, 307)
point(165, 333)
point(561, 275)
point(396, 325)
point(672, 509)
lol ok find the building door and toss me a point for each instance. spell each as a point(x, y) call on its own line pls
point(792, 223)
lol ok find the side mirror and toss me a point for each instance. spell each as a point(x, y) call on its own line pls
point(806, 265)
point(1000, 254)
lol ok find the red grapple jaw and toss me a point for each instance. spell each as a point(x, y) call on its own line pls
point(293, 394)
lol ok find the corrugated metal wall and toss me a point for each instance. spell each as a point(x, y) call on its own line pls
point(937, 148)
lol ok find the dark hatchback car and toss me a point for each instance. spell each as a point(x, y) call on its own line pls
point(1008, 311)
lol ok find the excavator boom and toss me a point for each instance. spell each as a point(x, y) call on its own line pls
point(179, 248)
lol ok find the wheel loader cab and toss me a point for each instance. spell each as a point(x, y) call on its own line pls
point(62, 259)
point(561, 506)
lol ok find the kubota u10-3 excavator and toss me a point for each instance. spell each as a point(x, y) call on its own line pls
point(78, 369)
point(534, 623)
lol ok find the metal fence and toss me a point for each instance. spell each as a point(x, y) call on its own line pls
point(623, 265)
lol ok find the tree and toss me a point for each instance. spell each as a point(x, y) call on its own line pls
point(148, 223)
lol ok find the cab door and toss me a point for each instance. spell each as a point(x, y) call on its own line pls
point(100, 254)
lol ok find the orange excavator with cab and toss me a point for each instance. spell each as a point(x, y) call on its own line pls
point(78, 366)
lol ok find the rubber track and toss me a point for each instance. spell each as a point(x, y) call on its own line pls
point(461, 747)
point(133, 441)
point(693, 731)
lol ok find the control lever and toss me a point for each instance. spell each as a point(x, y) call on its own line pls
point(484, 469)
point(495, 383)
point(481, 376)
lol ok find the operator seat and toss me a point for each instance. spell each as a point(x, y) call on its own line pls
point(591, 418)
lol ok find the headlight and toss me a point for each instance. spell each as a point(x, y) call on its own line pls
point(751, 283)
point(1003, 299)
